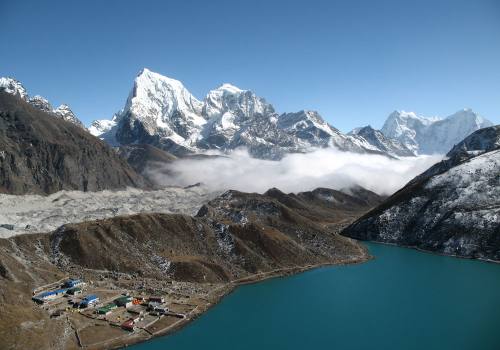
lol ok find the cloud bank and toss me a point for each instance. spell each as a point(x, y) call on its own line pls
point(296, 172)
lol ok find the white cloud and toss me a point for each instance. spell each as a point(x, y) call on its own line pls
point(298, 172)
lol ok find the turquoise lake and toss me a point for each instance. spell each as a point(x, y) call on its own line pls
point(403, 299)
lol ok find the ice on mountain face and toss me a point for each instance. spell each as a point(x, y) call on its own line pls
point(13, 87)
point(230, 99)
point(99, 127)
point(309, 128)
point(305, 121)
point(232, 113)
point(432, 135)
point(312, 131)
point(159, 106)
point(442, 135)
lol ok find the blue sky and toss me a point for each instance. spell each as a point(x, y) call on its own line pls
point(353, 61)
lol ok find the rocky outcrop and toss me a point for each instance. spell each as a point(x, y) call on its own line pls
point(42, 154)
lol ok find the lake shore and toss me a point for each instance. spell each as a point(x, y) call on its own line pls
point(218, 294)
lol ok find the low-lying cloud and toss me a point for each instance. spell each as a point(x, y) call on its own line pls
point(297, 172)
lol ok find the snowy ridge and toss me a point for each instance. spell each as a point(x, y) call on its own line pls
point(376, 138)
point(161, 106)
point(99, 127)
point(64, 112)
point(228, 109)
point(14, 87)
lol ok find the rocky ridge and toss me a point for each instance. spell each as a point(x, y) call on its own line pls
point(63, 112)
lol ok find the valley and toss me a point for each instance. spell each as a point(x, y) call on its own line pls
point(97, 206)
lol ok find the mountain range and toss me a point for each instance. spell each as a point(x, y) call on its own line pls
point(161, 112)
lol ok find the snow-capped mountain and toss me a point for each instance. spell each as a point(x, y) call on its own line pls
point(376, 138)
point(101, 127)
point(13, 87)
point(64, 112)
point(432, 135)
point(311, 131)
point(160, 111)
point(453, 208)
point(228, 110)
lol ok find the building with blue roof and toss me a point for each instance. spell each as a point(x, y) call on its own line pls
point(89, 300)
point(72, 283)
point(49, 295)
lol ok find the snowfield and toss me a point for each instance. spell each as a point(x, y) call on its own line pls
point(34, 213)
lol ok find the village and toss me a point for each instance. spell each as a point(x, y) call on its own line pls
point(103, 316)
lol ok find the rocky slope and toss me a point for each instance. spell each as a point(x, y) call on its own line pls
point(432, 135)
point(452, 208)
point(43, 154)
point(161, 112)
point(15, 88)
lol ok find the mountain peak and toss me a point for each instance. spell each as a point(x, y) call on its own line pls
point(13, 87)
point(164, 107)
point(41, 103)
point(432, 135)
point(147, 77)
point(230, 88)
point(64, 112)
